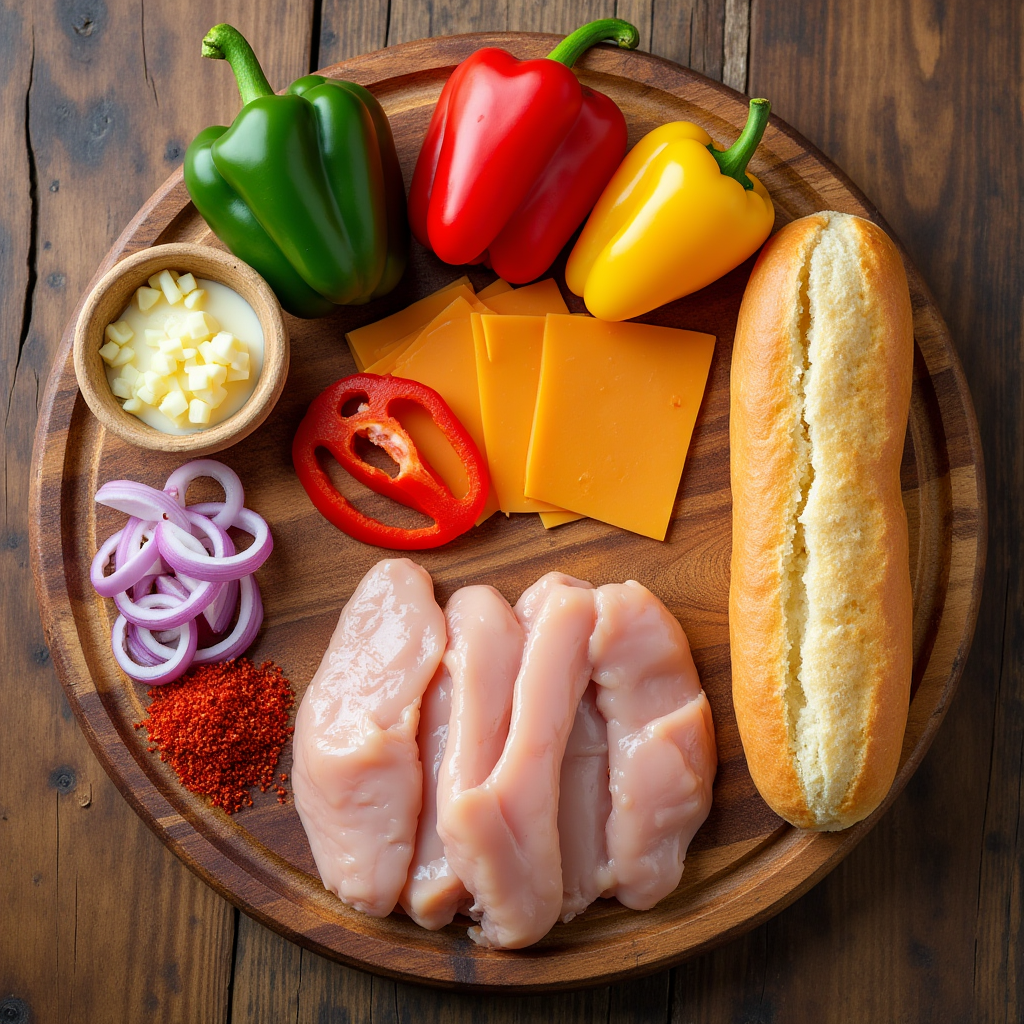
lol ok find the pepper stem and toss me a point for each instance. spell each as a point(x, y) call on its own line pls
point(571, 48)
point(225, 42)
point(733, 161)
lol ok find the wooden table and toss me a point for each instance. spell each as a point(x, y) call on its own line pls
point(921, 103)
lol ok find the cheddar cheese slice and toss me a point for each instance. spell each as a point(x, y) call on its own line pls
point(443, 357)
point(494, 288)
point(533, 300)
point(616, 407)
point(553, 519)
point(508, 351)
point(369, 343)
point(458, 299)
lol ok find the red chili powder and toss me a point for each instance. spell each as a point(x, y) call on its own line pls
point(222, 728)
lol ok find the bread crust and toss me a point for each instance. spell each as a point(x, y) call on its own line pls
point(820, 604)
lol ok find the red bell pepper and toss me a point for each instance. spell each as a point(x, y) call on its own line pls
point(516, 154)
point(325, 425)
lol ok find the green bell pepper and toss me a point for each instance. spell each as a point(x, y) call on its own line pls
point(305, 187)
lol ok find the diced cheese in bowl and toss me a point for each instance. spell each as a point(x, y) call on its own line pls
point(195, 354)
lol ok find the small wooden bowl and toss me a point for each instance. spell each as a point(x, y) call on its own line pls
point(112, 294)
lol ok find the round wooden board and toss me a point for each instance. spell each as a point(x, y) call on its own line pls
point(745, 864)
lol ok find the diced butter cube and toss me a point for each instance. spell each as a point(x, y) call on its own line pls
point(186, 283)
point(157, 383)
point(212, 396)
point(120, 388)
point(201, 326)
point(154, 282)
point(119, 333)
point(174, 405)
point(145, 394)
point(240, 361)
point(175, 275)
point(217, 374)
point(130, 373)
point(169, 288)
point(195, 298)
point(206, 351)
point(172, 347)
point(125, 355)
point(174, 327)
point(190, 363)
point(188, 353)
point(224, 345)
point(198, 411)
point(163, 363)
point(153, 338)
point(198, 377)
point(234, 374)
point(147, 298)
point(109, 352)
point(132, 405)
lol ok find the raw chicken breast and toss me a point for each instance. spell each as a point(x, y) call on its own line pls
point(432, 891)
point(356, 775)
point(661, 741)
point(584, 803)
point(485, 647)
point(502, 836)
point(533, 597)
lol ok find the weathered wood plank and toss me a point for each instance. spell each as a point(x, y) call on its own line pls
point(692, 33)
point(348, 29)
point(107, 925)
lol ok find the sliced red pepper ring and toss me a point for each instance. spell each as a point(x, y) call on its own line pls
point(416, 485)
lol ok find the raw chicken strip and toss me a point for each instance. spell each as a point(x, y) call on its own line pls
point(661, 741)
point(502, 836)
point(485, 647)
point(432, 892)
point(584, 803)
point(356, 776)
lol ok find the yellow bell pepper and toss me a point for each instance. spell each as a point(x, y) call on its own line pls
point(676, 215)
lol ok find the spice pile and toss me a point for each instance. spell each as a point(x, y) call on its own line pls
point(222, 728)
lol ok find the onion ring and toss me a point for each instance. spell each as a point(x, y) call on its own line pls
point(234, 495)
point(180, 556)
point(140, 501)
point(165, 671)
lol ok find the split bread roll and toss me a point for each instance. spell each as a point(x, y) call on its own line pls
point(820, 608)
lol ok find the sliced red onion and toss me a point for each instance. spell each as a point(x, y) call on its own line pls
point(165, 671)
point(234, 495)
point(175, 588)
point(153, 645)
point(132, 561)
point(177, 551)
point(202, 584)
point(137, 650)
point(166, 616)
point(144, 586)
point(140, 501)
point(250, 618)
point(219, 614)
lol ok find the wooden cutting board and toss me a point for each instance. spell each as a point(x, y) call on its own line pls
point(745, 864)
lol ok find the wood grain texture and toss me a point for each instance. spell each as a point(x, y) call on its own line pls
point(743, 866)
point(96, 111)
